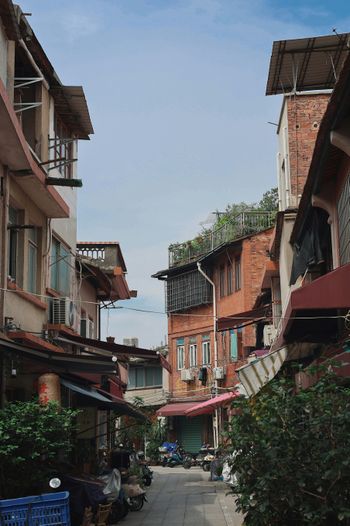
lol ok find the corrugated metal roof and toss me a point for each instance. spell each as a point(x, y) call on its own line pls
point(71, 105)
point(306, 64)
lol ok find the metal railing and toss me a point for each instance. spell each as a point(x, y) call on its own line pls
point(238, 226)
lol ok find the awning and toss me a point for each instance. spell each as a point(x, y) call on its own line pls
point(176, 409)
point(306, 64)
point(71, 104)
point(105, 401)
point(229, 322)
point(308, 316)
point(61, 361)
point(260, 372)
point(209, 405)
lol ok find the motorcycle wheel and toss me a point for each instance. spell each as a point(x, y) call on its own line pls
point(206, 467)
point(187, 464)
point(147, 481)
point(136, 503)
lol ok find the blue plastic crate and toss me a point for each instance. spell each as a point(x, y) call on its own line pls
point(50, 509)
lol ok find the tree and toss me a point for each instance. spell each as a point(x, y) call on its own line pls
point(31, 437)
point(269, 201)
point(292, 455)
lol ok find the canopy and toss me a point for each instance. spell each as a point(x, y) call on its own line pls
point(176, 409)
point(258, 373)
point(311, 308)
point(230, 322)
point(306, 64)
point(209, 405)
point(108, 402)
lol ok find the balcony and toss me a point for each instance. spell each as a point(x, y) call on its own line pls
point(104, 254)
point(236, 227)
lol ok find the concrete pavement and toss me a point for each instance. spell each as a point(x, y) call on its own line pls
point(180, 497)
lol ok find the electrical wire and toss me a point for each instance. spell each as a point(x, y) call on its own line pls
point(232, 317)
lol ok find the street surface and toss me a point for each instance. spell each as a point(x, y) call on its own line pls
point(179, 497)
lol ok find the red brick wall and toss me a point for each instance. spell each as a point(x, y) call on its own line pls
point(305, 113)
point(253, 254)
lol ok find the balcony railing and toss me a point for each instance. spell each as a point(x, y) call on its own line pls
point(240, 225)
point(101, 253)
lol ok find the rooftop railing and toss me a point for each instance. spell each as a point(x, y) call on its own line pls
point(241, 225)
point(102, 254)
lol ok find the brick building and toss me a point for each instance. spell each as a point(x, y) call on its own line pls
point(210, 330)
point(305, 242)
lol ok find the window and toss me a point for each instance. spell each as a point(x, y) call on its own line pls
point(233, 346)
point(222, 282)
point(32, 260)
point(180, 352)
point(193, 355)
point(344, 224)
point(206, 352)
point(13, 243)
point(59, 265)
point(237, 273)
point(229, 279)
point(141, 377)
point(63, 149)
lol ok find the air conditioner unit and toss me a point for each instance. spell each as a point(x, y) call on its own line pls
point(219, 373)
point(187, 375)
point(87, 328)
point(63, 311)
point(269, 335)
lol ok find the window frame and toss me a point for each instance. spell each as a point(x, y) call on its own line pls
point(180, 351)
point(59, 273)
point(222, 281)
point(63, 148)
point(193, 351)
point(229, 278)
point(32, 272)
point(13, 243)
point(206, 352)
point(238, 274)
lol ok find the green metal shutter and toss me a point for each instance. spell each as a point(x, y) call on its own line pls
point(192, 431)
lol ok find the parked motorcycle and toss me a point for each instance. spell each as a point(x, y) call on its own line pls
point(135, 494)
point(146, 472)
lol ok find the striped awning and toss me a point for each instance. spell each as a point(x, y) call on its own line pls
point(260, 372)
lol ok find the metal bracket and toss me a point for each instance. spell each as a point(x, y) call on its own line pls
point(26, 81)
point(23, 106)
point(64, 163)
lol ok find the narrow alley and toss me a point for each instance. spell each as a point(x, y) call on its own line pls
point(181, 497)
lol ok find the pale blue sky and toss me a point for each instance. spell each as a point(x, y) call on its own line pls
point(176, 94)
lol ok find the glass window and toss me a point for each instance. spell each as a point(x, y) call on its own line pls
point(229, 279)
point(222, 282)
point(32, 260)
point(13, 243)
point(206, 352)
point(180, 357)
point(193, 355)
point(233, 346)
point(140, 377)
point(237, 273)
point(60, 269)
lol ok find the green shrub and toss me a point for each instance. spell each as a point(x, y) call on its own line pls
point(292, 455)
point(31, 436)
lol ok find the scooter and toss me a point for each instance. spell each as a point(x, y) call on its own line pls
point(146, 472)
point(135, 494)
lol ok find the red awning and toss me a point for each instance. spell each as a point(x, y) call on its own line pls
point(322, 297)
point(176, 409)
point(209, 405)
point(229, 322)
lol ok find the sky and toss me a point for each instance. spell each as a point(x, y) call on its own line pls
point(176, 93)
